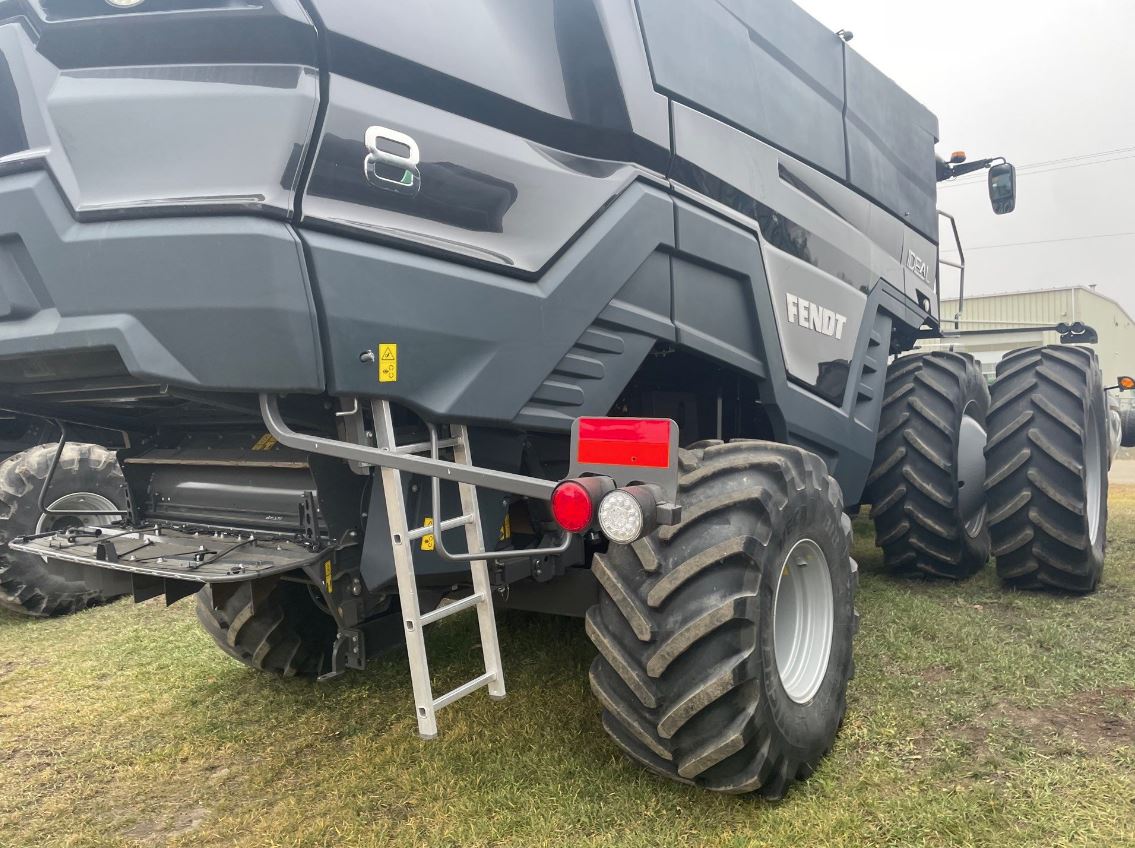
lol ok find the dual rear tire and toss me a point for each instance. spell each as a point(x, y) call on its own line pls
point(1018, 470)
point(1048, 467)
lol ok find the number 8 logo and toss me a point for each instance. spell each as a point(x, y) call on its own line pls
point(411, 179)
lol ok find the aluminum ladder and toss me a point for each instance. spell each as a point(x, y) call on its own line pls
point(403, 538)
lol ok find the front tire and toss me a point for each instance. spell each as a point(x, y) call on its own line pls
point(87, 477)
point(725, 641)
point(927, 484)
point(1047, 459)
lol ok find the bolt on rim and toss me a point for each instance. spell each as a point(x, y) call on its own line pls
point(803, 620)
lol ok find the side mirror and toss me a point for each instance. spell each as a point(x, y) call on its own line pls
point(1003, 188)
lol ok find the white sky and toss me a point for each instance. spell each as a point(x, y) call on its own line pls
point(1030, 81)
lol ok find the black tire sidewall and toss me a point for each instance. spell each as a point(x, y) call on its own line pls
point(808, 728)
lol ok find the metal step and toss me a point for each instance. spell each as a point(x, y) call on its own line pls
point(192, 554)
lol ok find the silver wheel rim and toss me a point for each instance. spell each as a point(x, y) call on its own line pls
point(75, 500)
point(1093, 473)
point(972, 439)
point(803, 621)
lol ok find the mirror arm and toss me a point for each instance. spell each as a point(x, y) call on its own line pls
point(949, 172)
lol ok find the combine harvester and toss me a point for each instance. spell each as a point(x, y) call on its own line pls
point(598, 308)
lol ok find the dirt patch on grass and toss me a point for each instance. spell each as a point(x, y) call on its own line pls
point(1086, 723)
point(936, 674)
point(27, 763)
point(159, 832)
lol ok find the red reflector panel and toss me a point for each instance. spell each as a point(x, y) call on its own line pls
point(644, 442)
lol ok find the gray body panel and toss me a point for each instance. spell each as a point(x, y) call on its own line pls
point(474, 344)
point(822, 242)
point(487, 195)
point(519, 152)
point(598, 191)
point(204, 302)
point(843, 433)
point(766, 67)
point(890, 145)
point(133, 127)
point(771, 70)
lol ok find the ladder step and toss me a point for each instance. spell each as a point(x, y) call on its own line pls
point(448, 524)
point(463, 690)
point(424, 447)
point(451, 609)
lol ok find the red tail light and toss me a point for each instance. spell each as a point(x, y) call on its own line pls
point(572, 507)
point(574, 502)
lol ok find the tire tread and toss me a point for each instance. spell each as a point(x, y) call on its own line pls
point(912, 486)
point(1038, 504)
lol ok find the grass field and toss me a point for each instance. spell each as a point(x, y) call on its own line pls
point(978, 716)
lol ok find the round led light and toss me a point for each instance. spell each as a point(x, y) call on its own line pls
point(571, 506)
point(123, 4)
point(620, 517)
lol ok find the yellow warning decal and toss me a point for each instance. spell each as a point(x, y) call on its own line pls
point(506, 529)
point(327, 577)
point(388, 363)
point(265, 442)
point(428, 541)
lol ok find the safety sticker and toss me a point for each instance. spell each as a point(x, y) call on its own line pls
point(265, 442)
point(506, 529)
point(428, 541)
point(327, 582)
point(388, 363)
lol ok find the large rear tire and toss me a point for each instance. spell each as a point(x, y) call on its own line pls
point(725, 641)
point(1047, 459)
point(927, 484)
point(284, 632)
point(87, 477)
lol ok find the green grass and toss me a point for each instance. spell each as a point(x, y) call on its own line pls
point(977, 716)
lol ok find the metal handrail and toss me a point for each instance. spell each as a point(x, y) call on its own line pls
point(472, 556)
point(502, 481)
point(960, 265)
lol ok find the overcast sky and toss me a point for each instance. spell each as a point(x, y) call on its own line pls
point(1033, 82)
